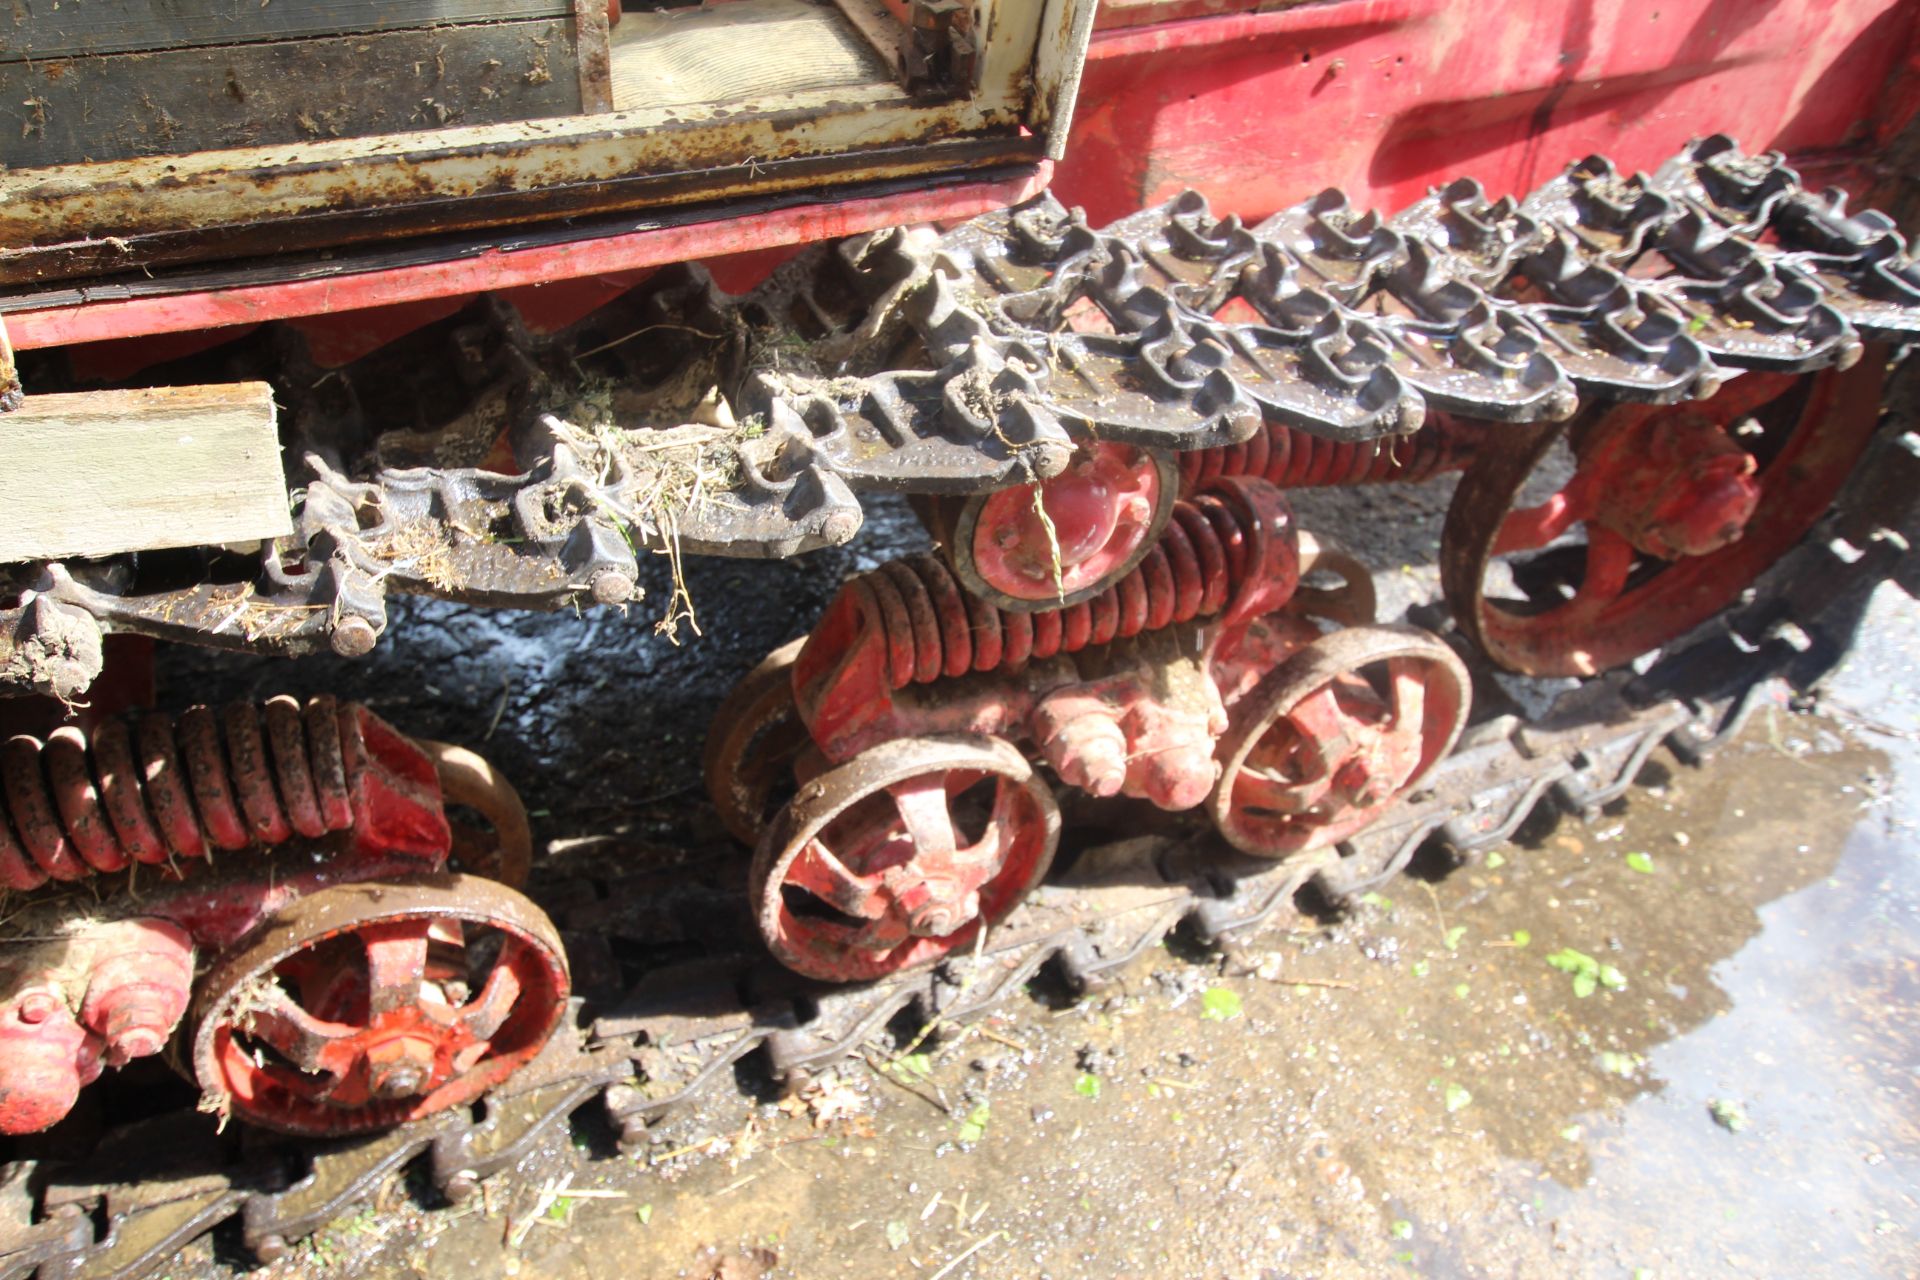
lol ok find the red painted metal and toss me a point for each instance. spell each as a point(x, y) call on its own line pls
point(1148, 690)
point(316, 797)
point(1139, 720)
point(901, 856)
point(50, 1057)
point(1678, 484)
point(1099, 512)
point(1384, 98)
point(1292, 459)
point(1232, 553)
point(350, 1011)
point(103, 994)
point(504, 269)
point(141, 979)
point(77, 807)
point(1673, 484)
point(1322, 743)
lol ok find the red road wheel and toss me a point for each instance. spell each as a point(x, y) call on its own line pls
point(1106, 511)
point(901, 855)
point(1660, 517)
point(1335, 584)
point(1326, 741)
point(362, 1006)
point(756, 737)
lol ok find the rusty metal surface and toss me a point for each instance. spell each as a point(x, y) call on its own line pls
point(321, 819)
point(982, 106)
point(977, 360)
point(462, 264)
point(650, 1044)
point(1667, 516)
point(10, 393)
point(378, 1005)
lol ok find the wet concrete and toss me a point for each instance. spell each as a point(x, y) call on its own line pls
point(1417, 1090)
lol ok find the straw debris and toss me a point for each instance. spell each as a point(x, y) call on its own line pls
point(651, 479)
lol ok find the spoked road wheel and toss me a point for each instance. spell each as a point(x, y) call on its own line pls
point(902, 855)
point(1667, 515)
point(1102, 515)
point(362, 1006)
point(1327, 740)
point(757, 735)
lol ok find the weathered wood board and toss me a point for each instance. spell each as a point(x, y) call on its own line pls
point(735, 52)
point(101, 472)
point(173, 101)
point(36, 29)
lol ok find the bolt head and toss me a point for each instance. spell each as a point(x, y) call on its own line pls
point(354, 637)
point(935, 923)
point(610, 586)
point(397, 1082)
point(400, 1068)
point(840, 526)
point(36, 1007)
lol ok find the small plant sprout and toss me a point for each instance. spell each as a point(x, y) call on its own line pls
point(1220, 1004)
point(1588, 974)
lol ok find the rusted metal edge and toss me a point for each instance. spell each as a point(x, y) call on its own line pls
point(100, 255)
point(204, 302)
point(592, 47)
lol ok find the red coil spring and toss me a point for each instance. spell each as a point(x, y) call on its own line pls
point(934, 628)
point(171, 788)
point(1291, 459)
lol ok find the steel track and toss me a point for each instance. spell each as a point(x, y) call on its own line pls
point(640, 1052)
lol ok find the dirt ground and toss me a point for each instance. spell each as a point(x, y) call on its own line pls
point(1420, 1089)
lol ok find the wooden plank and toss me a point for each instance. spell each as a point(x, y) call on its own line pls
point(740, 52)
point(36, 29)
point(124, 105)
point(101, 472)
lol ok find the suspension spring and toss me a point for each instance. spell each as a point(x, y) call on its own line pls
point(164, 788)
point(1292, 459)
point(935, 629)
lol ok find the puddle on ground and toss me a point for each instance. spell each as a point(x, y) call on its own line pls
point(1511, 1072)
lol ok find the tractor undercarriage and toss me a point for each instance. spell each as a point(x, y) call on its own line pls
point(1686, 432)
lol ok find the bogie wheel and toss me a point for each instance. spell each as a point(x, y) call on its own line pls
point(1102, 515)
point(1335, 584)
point(902, 855)
point(757, 735)
point(363, 1006)
point(1328, 739)
point(1648, 520)
point(503, 850)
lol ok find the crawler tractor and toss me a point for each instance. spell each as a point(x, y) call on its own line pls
point(493, 300)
